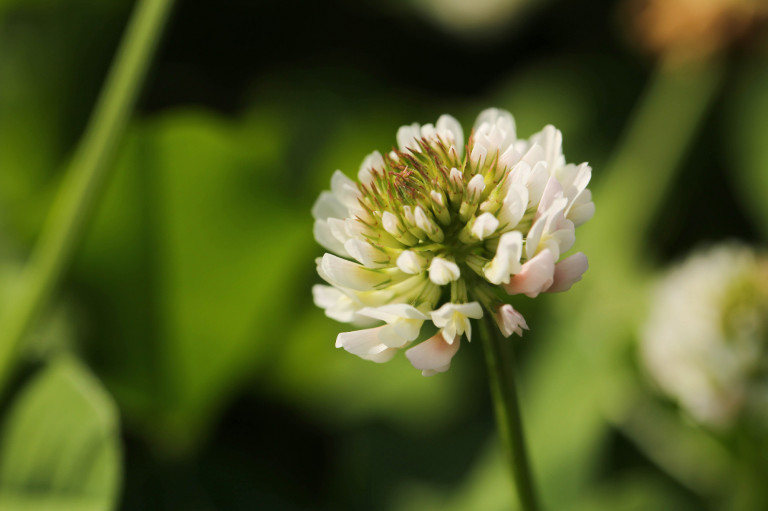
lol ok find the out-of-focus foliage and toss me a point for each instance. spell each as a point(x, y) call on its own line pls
point(749, 152)
point(59, 444)
point(190, 298)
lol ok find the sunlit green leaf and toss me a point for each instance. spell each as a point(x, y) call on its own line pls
point(60, 447)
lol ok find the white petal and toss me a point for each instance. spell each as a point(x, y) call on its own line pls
point(568, 272)
point(479, 153)
point(552, 191)
point(365, 344)
point(537, 181)
point(456, 176)
point(339, 306)
point(507, 259)
point(453, 318)
point(323, 235)
point(373, 161)
point(407, 137)
point(534, 237)
point(581, 208)
point(514, 205)
point(354, 228)
point(343, 273)
point(485, 225)
point(433, 355)
point(338, 228)
point(410, 262)
point(327, 206)
point(450, 128)
point(422, 220)
point(496, 117)
point(437, 198)
point(442, 271)
point(391, 337)
point(551, 140)
point(404, 321)
point(536, 276)
point(344, 189)
point(393, 312)
point(476, 186)
point(367, 254)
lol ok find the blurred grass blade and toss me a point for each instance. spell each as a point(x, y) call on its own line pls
point(593, 324)
point(84, 180)
point(59, 448)
point(745, 134)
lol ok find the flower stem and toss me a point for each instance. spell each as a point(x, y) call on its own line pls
point(84, 180)
point(499, 358)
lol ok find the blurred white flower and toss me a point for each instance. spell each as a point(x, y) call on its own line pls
point(436, 230)
point(705, 340)
point(476, 18)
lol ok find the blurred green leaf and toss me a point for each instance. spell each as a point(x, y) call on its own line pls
point(633, 492)
point(745, 134)
point(202, 210)
point(51, 66)
point(336, 386)
point(60, 448)
point(487, 487)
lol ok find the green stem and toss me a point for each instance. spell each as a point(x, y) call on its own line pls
point(84, 180)
point(501, 374)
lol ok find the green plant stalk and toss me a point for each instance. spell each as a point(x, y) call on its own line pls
point(630, 190)
point(501, 374)
point(84, 180)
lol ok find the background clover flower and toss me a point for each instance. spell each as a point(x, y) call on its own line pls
point(438, 231)
point(706, 337)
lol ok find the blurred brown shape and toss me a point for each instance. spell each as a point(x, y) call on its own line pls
point(691, 29)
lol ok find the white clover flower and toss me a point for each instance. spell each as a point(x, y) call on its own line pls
point(438, 231)
point(706, 339)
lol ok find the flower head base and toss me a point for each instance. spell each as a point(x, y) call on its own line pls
point(435, 230)
point(706, 340)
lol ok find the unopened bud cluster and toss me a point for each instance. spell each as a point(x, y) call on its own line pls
point(434, 231)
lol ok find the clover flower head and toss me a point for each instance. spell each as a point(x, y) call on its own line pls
point(442, 232)
point(706, 338)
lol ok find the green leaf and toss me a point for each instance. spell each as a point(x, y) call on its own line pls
point(196, 251)
point(745, 134)
point(60, 448)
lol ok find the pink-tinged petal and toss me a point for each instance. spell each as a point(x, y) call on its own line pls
point(568, 272)
point(510, 321)
point(433, 355)
point(536, 276)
